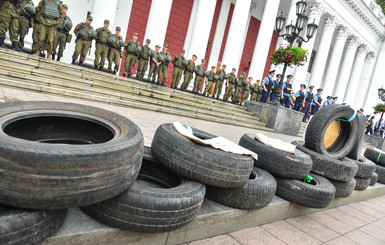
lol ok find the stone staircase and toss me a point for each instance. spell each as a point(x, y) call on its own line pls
point(302, 130)
point(23, 71)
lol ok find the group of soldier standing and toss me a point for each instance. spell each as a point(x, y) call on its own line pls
point(51, 30)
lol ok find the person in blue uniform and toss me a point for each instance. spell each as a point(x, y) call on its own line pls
point(268, 85)
point(317, 100)
point(299, 98)
point(369, 126)
point(328, 101)
point(287, 89)
point(308, 101)
point(276, 84)
point(334, 100)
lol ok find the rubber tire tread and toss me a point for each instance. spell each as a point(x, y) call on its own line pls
point(340, 170)
point(373, 153)
point(151, 210)
point(198, 162)
point(254, 194)
point(366, 168)
point(314, 135)
point(24, 227)
point(373, 179)
point(381, 174)
point(58, 176)
point(344, 188)
point(308, 195)
point(278, 162)
point(362, 184)
point(355, 153)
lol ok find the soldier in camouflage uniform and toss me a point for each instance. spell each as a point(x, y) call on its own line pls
point(144, 58)
point(231, 81)
point(62, 33)
point(36, 32)
point(102, 47)
point(9, 21)
point(209, 82)
point(83, 40)
point(246, 90)
point(131, 55)
point(178, 69)
point(199, 77)
point(238, 88)
point(115, 53)
point(24, 22)
point(256, 91)
point(188, 73)
point(154, 65)
point(219, 83)
point(50, 11)
point(163, 68)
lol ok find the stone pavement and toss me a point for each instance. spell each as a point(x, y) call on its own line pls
point(357, 223)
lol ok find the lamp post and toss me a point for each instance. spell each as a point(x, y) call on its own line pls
point(381, 95)
point(292, 34)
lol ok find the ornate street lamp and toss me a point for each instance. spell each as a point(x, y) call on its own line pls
point(292, 34)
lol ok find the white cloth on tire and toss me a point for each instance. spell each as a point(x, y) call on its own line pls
point(276, 143)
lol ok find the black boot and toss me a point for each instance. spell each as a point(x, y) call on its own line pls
point(96, 67)
point(100, 68)
point(15, 46)
point(124, 75)
point(73, 62)
point(80, 63)
point(53, 57)
point(58, 58)
point(2, 45)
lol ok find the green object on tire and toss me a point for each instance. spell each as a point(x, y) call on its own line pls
point(308, 179)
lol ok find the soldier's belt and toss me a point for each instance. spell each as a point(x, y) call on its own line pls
point(190, 71)
point(105, 44)
point(62, 31)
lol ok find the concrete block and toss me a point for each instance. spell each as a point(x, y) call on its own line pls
point(375, 141)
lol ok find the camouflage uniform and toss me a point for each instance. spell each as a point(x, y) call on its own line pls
point(154, 69)
point(47, 28)
point(36, 32)
point(24, 22)
point(210, 83)
point(246, 91)
point(131, 57)
point(82, 42)
point(256, 93)
point(143, 60)
point(219, 83)
point(163, 68)
point(188, 74)
point(61, 37)
point(178, 70)
point(238, 89)
point(232, 79)
point(9, 21)
point(102, 48)
point(115, 54)
point(199, 76)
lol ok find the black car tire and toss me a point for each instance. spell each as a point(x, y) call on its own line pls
point(344, 188)
point(362, 184)
point(374, 179)
point(375, 155)
point(366, 168)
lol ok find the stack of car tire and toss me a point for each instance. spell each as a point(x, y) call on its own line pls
point(378, 158)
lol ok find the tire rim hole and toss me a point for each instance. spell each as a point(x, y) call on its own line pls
point(60, 129)
point(253, 175)
point(342, 137)
point(154, 175)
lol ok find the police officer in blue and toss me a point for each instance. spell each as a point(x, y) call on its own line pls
point(328, 101)
point(334, 100)
point(287, 89)
point(275, 86)
point(268, 85)
point(299, 98)
point(308, 101)
point(317, 100)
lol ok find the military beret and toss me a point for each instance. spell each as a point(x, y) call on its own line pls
point(157, 46)
point(90, 18)
point(165, 46)
point(183, 51)
point(329, 97)
point(320, 90)
point(289, 76)
point(148, 41)
point(213, 67)
point(118, 28)
point(106, 22)
point(311, 87)
point(203, 61)
point(303, 85)
point(251, 78)
point(195, 56)
point(65, 6)
point(224, 66)
point(273, 71)
point(234, 69)
point(135, 34)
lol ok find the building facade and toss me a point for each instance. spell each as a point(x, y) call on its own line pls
point(347, 52)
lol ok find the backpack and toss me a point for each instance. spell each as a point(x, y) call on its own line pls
point(51, 10)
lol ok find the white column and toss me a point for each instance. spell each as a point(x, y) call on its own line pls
point(158, 21)
point(191, 25)
point(201, 30)
point(219, 32)
point(316, 12)
point(364, 81)
point(334, 63)
point(323, 52)
point(262, 46)
point(346, 68)
point(355, 76)
point(103, 10)
point(233, 51)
